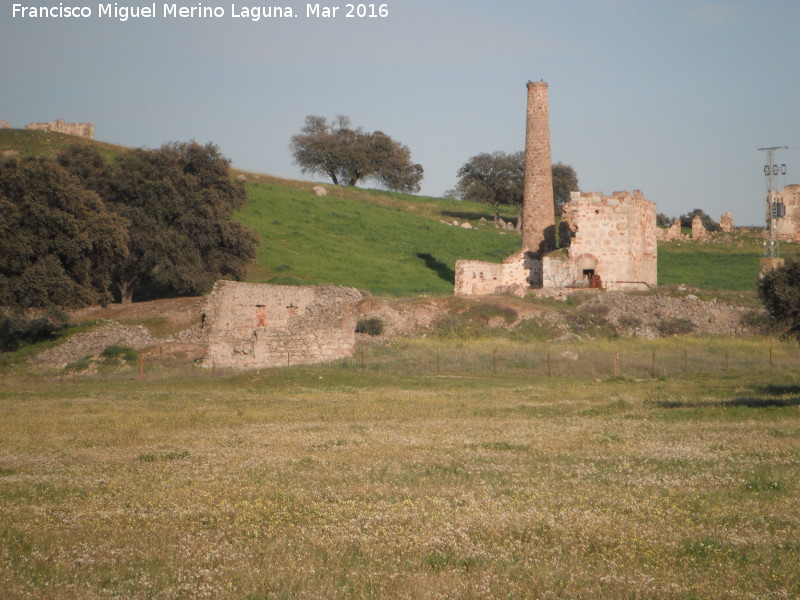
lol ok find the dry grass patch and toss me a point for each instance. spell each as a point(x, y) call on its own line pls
point(327, 483)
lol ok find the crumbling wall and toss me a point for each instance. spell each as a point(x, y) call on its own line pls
point(251, 325)
point(671, 233)
point(516, 274)
point(726, 222)
point(85, 130)
point(699, 231)
point(612, 237)
point(787, 228)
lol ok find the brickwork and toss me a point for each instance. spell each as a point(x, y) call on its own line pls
point(538, 225)
point(787, 228)
point(85, 130)
point(250, 325)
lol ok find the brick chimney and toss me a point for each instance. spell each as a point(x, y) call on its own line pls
point(538, 224)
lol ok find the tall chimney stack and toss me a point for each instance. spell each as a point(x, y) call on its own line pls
point(538, 224)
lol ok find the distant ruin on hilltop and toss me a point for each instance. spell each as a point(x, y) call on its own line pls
point(84, 130)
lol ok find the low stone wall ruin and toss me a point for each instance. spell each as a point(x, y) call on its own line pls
point(85, 130)
point(251, 325)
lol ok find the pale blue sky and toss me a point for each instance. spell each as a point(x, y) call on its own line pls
point(672, 97)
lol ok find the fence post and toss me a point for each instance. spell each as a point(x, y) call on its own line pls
point(549, 371)
point(684, 359)
point(653, 369)
point(770, 357)
point(141, 369)
point(616, 365)
point(494, 361)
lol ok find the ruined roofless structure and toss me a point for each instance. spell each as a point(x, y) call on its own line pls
point(611, 239)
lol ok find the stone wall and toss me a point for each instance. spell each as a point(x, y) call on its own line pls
point(726, 222)
point(787, 228)
point(699, 232)
point(250, 325)
point(516, 274)
point(671, 233)
point(4, 124)
point(613, 237)
point(85, 130)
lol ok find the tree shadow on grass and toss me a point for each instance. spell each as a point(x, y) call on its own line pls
point(769, 396)
point(438, 267)
point(470, 216)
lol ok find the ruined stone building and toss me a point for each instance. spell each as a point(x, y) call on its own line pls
point(607, 242)
point(726, 222)
point(251, 325)
point(85, 130)
point(787, 228)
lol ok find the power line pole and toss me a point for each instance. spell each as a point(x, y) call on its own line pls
point(775, 207)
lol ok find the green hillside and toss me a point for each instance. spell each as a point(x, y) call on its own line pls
point(22, 142)
point(389, 244)
point(395, 244)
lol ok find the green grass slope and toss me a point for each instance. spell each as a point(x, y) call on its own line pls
point(394, 244)
point(730, 262)
point(389, 244)
point(22, 142)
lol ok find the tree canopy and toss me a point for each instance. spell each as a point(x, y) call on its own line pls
point(498, 179)
point(349, 155)
point(59, 244)
point(779, 290)
point(709, 223)
point(495, 179)
point(179, 200)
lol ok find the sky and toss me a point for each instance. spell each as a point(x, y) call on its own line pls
point(671, 97)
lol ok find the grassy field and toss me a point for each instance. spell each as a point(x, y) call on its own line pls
point(390, 244)
point(379, 477)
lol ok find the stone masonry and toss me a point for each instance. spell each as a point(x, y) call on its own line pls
point(251, 325)
point(671, 233)
point(612, 240)
point(787, 228)
point(699, 232)
point(85, 130)
point(612, 243)
point(538, 224)
point(726, 222)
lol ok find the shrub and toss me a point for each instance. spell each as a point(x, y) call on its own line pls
point(17, 329)
point(675, 326)
point(117, 352)
point(370, 326)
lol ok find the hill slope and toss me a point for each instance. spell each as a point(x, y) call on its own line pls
point(363, 239)
point(395, 244)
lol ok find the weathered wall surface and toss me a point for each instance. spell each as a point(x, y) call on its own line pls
point(726, 222)
point(614, 237)
point(251, 325)
point(787, 229)
point(516, 274)
point(538, 225)
point(4, 124)
point(671, 233)
point(60, 126)
point(699, 231)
